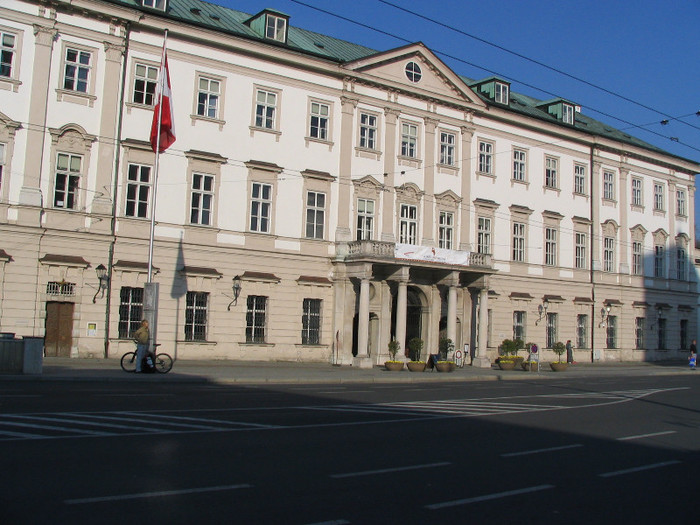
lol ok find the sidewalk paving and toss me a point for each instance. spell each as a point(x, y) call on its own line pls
point(261, 372)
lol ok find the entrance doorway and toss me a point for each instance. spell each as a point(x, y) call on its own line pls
point(59, 329)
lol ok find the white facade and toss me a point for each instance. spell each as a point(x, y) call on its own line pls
point(307, 175)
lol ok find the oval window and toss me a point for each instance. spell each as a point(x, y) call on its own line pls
point(413, 72)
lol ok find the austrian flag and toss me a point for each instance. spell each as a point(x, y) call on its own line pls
point(163, 125)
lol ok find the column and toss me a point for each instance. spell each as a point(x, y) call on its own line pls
point(401, 305)
point(363, 360)
point(466, 171)
point(389, 195)
point(429, 183)
point(30, 193)
point(481, 360)
point(343, 233)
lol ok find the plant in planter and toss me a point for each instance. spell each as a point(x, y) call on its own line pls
point(415, 347)
point(394, 346)
point(444, 348)
point(558, 366)
point(506, 360)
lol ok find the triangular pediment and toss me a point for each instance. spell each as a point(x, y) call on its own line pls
point(432, 78)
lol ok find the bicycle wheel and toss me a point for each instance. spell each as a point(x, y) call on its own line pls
point(164, 363)
point(129, 362)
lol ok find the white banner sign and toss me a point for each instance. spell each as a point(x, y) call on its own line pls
point(436, 255)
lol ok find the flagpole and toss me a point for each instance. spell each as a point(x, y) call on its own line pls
point(162, 80)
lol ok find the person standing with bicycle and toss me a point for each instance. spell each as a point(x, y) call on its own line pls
point(141, 337)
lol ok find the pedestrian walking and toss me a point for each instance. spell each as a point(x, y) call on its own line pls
point(569, 352)
point(141, 337)
point(693, 355)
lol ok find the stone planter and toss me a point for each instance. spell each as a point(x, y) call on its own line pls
point(518, 359)
point(444, 366)
point(416, 366)
point(529, 366)
point(394, 366)
point(506, 365)
point(558, 367)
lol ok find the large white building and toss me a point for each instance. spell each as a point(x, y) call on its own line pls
point(352, 196)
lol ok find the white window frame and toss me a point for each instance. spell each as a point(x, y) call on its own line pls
point(552, 329)
point(519, 165)
point(637, 258)
point(446, 230)
point(369, 131)
point(608, 185)
point(518, 253)
point(659, 261)
point(659, 197)
point(208, 102)
point(67, 181)
point(409, 140)
point(365, 219)
point(79, 68)
point(319, 120)
point(3, 148)
point(260, 220)
point(637, 192)
point(149, 78)
point(581, 255)
point(486, 157)
point(501, 93)
point(203, 193)
point(582, 331)
point(550, 246)
point(483, 235)
point(408, 224)
point(275, 28)
point(567, 113)
point(551, 172)
point(681, 263)
point(681, 203)
point(519, 325)
point(580, 179)
point(138, 181)
point(8, 54)
point(266, 109)
point(448, 144)
point(315, 214)
point(608, 254)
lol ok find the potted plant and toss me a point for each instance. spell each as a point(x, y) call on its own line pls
point(505, 360)
point(444, 348)
point(415, 347)
point(393, 365)
point(518, 344)
point(558, 366)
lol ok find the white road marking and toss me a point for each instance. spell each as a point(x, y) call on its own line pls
point(159, 494)
point(540, 450)
point(388, 470)
point(487, 497)
point(642, 436)
point(333, 522)
point(638, 469)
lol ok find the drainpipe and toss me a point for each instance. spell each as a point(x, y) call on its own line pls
point(113, 220)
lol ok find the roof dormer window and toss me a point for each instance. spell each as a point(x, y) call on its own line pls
point(160, 5)
point(567, 114)
point(501, 93)
point(276, 28)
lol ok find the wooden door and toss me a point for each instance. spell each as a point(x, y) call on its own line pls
point(59, 329)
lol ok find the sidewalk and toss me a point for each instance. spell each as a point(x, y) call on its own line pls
point(259, 372)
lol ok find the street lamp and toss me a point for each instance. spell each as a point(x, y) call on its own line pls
point(104, 280)
point(542, 310)
point(236, 291)
point(604, 314)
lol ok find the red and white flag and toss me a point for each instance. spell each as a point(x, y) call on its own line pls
point(163, 125)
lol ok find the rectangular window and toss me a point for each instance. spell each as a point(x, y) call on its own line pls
point(315, 214)
point(661, 341)
point(255, 319)
point(552, 329)
point(486, 157)
point(365, 219)
point(580, 179)
point(260, 207)
point(196, 316)
point(319, 118)
point(202, 199)
point(519, 241)
point(447, 148)
point(155, 4)
point(130, 311)
point(639, 324)
point(637, 261)
point(582, 331)
point(67, 183)
point(368, 131)
point(265, 109)
point(7, 53)
point(658, 197)
point(608, 185)
point(680, 203)
point(501, 93)
point(567, 114)
point(611, 332)
point(208, 97)
point(446, 230)
point(608, 254)
point(76, 74)
point(311, 322)
point(409, 140)
point(138, 189)
point(408, 224)
point(145, 82)
point(519, 325)
point(551, 172)
point(276, 28)
point(519, 164)
point(581, 250)
point(684, 334)
point(637, 192)
point(681, 261)
point(484, 235)
point(550, 246)
point(659, 261)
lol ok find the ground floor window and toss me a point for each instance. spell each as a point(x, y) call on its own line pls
point(552, 322)
point(196, 316)
point(311, 322)
point(639, 323)
point(582, 331)
point(519, 325)
point(130, 311)
point(255, 319)
point(611, 332)
point(684, 334)
point(662, 334)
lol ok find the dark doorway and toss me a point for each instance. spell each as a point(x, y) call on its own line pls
point(59, 329)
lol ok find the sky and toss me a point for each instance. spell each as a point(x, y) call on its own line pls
point(631, 64)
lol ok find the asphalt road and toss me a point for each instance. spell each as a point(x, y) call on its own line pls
point(612, 450)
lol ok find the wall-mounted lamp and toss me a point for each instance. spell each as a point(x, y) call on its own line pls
point(236, 291)
point(104, 280)
point(542, 311)
point(604, 314)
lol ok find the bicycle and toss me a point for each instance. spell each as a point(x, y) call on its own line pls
point(163, 362)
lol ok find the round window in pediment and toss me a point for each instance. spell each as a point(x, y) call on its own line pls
point(413, 72)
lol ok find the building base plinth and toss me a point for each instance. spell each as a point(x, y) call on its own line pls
point(481, 362)
point(362, 362)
